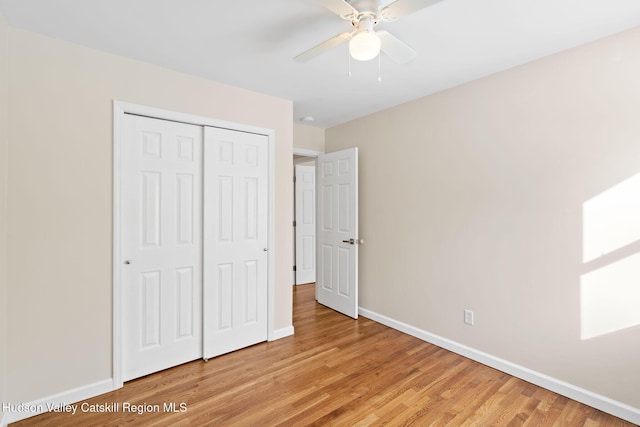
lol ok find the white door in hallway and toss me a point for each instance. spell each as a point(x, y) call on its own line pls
point(235, 240)
point(337, 216)
point(305, 189)
point(161, 245)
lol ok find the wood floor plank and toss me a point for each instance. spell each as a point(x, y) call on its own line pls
point(335, 371)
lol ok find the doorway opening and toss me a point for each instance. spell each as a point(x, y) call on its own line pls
point(336, 239)
point(304, 219)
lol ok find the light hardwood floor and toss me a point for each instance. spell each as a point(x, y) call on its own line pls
point(335, 371)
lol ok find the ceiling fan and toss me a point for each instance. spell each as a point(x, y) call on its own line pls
point(364, 42)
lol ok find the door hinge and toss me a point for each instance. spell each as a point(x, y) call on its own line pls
point(294, 268)
point(294, 223)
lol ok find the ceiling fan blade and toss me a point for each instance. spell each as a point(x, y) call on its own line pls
point(322, 47)
point(400, 8)
point(396, 49)
point(340, 7)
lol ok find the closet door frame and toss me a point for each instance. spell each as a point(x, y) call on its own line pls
point(119, 111)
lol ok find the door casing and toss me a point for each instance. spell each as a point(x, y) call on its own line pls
point(119, 110)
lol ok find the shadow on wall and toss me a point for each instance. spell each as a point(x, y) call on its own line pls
point(610, 286)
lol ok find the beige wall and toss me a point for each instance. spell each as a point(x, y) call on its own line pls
point(472, 198)
point(308, 137)
point(4, 71)
point(60, 202)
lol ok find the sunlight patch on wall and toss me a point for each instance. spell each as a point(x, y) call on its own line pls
point(610, 298)
point(611, 220)
point(610, 295)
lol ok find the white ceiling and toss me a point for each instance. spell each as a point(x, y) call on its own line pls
point(251, 43)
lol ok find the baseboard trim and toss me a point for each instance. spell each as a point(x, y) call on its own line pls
point(603, 403)
point(281, 333)
point(40, 406)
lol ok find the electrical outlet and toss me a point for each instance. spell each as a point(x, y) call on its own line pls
point(468, 317)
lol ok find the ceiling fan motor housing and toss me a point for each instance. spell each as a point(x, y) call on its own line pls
point(371, 6)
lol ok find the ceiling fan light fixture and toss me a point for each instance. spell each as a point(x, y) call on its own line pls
point(364, 46)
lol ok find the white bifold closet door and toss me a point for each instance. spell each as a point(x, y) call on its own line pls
point(161, 245)
point(194, 215)
point(235, 240)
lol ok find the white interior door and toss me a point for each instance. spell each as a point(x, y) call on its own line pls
point(161, 245)
point(305, 189)
point(235, 240)
point(337, 274)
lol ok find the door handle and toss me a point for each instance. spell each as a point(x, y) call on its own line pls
point(353, 241)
